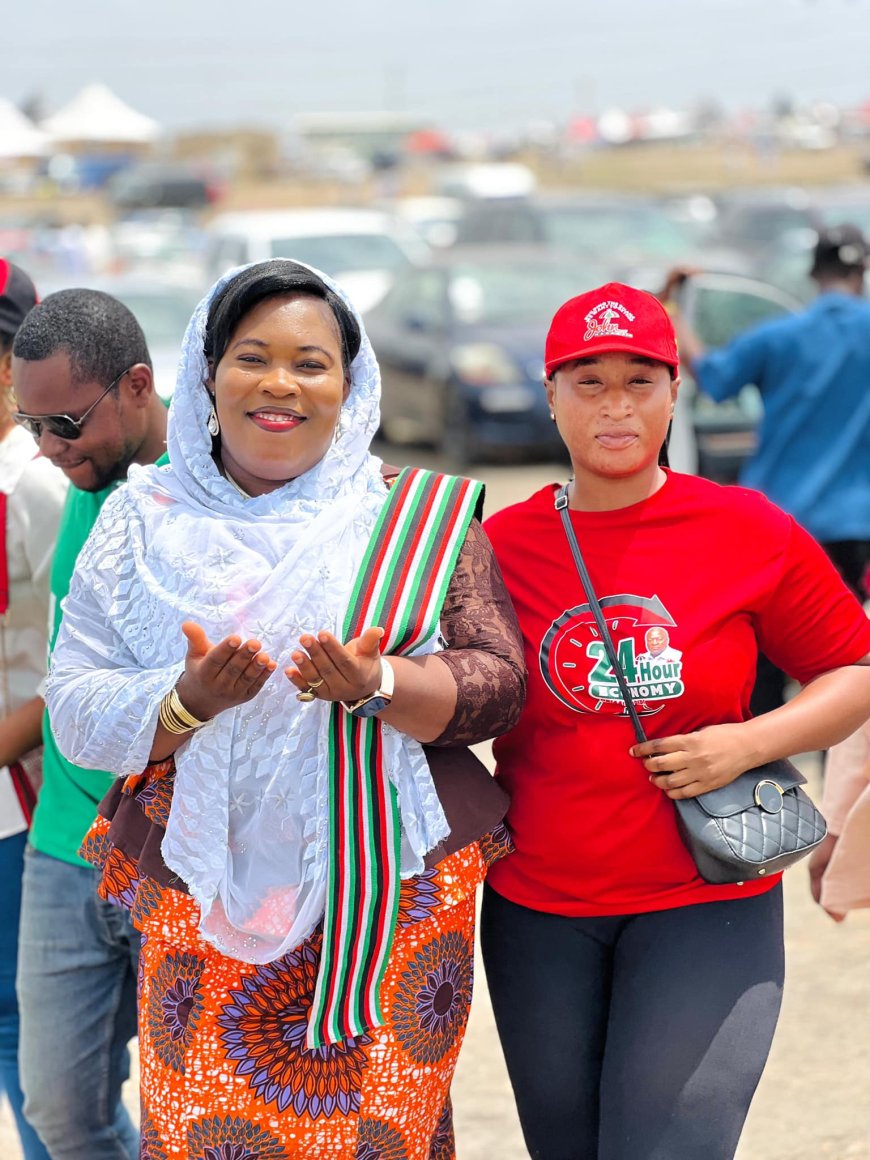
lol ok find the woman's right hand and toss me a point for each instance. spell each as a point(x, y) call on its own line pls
point(220, 676)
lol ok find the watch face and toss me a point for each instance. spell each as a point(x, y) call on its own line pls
point(372, 706)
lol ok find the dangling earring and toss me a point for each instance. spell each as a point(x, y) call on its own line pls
point(214, 427)
point(338, 427)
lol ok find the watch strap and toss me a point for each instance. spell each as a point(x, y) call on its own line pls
point(386, 685)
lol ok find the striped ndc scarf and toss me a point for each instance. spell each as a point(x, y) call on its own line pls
point(401, 587)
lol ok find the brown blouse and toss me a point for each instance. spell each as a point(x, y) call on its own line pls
point(484, 646)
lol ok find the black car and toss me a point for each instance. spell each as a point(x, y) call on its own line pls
point(154, 186)
point(460, 344)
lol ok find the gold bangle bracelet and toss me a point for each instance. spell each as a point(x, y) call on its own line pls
point(181, 713)
point(174, 717)
point(169, 723)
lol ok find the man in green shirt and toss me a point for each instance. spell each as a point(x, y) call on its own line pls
point(83, 381)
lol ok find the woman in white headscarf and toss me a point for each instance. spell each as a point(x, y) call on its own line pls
point(302, 871)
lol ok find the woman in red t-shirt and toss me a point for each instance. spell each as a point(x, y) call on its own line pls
point(636, 1004)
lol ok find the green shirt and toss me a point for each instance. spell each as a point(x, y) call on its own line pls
point(69, 795)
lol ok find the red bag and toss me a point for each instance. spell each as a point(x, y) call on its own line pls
point(24, 790)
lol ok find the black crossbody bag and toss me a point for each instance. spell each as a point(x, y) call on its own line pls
point(759, 824)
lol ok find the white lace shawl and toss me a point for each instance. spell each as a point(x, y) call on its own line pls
point(248, 826)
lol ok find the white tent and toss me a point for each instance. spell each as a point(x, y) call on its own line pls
point(96, 116)
point(615, 126)
point(19, 137)
point(664, 124)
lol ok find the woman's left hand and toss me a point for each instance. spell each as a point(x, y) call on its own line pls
point(346, 672)
point(689, 764)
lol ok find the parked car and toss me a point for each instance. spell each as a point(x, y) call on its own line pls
point(709, 438)
point(362, 249)
point(845, 203)
point(156, 186)
point(641, 236)
point(613, 225)
point(160, 242)
point(434, 218)
point(775, 229)
point(163, 310)
point(460, 344)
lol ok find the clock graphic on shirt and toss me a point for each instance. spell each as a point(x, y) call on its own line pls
point(575, 666)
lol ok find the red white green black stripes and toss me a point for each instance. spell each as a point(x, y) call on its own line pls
point(401, 588)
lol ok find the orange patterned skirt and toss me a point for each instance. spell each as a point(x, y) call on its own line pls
point(225, 1071)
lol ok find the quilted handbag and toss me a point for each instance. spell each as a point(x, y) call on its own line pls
point(759, 824)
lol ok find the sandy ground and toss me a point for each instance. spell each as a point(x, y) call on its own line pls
point(814, 1099)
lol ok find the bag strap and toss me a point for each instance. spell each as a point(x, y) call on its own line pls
point(600, 622)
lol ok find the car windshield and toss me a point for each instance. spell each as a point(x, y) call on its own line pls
point(163, 315)
point(722, 314)
point(342, 253)
point(514, 293)
point(856, 213)
point(610, 230)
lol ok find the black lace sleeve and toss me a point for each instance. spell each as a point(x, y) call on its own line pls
point(484, 647)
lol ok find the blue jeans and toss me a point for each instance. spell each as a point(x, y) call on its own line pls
point(77, 965)
point(11, 860)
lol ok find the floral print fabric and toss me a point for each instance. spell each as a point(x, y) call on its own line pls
point(225, 1071)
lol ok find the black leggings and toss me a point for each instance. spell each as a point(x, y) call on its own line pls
point(635, 1038)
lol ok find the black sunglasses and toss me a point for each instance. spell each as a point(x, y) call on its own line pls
point(63, 426)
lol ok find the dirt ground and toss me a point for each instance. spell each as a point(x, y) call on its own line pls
point(814, 1099)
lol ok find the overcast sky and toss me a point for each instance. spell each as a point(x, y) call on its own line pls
point(460, 63)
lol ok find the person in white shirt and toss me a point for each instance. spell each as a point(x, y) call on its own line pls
point(32, 494)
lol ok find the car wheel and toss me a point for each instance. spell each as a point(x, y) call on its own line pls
point(457, 444)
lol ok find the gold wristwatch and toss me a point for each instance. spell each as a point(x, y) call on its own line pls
point(379, 700)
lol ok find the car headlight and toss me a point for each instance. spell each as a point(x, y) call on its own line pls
point(485, 364)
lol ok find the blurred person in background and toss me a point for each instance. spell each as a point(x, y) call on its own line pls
point(813, 372)
point(83, 385)
point(302, 869)
point(635, 1002)
point(31, 499)
point(840, 865)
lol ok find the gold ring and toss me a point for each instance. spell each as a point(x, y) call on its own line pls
point(316, 684)
point(306, 696)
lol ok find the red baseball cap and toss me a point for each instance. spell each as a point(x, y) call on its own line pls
point(17, 296)
point(614, 317)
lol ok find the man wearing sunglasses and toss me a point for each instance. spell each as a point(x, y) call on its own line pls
point(84, 390)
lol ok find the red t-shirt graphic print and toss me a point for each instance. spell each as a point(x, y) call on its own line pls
point(576, 668)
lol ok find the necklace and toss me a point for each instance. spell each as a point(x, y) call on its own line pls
point(238, 487)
